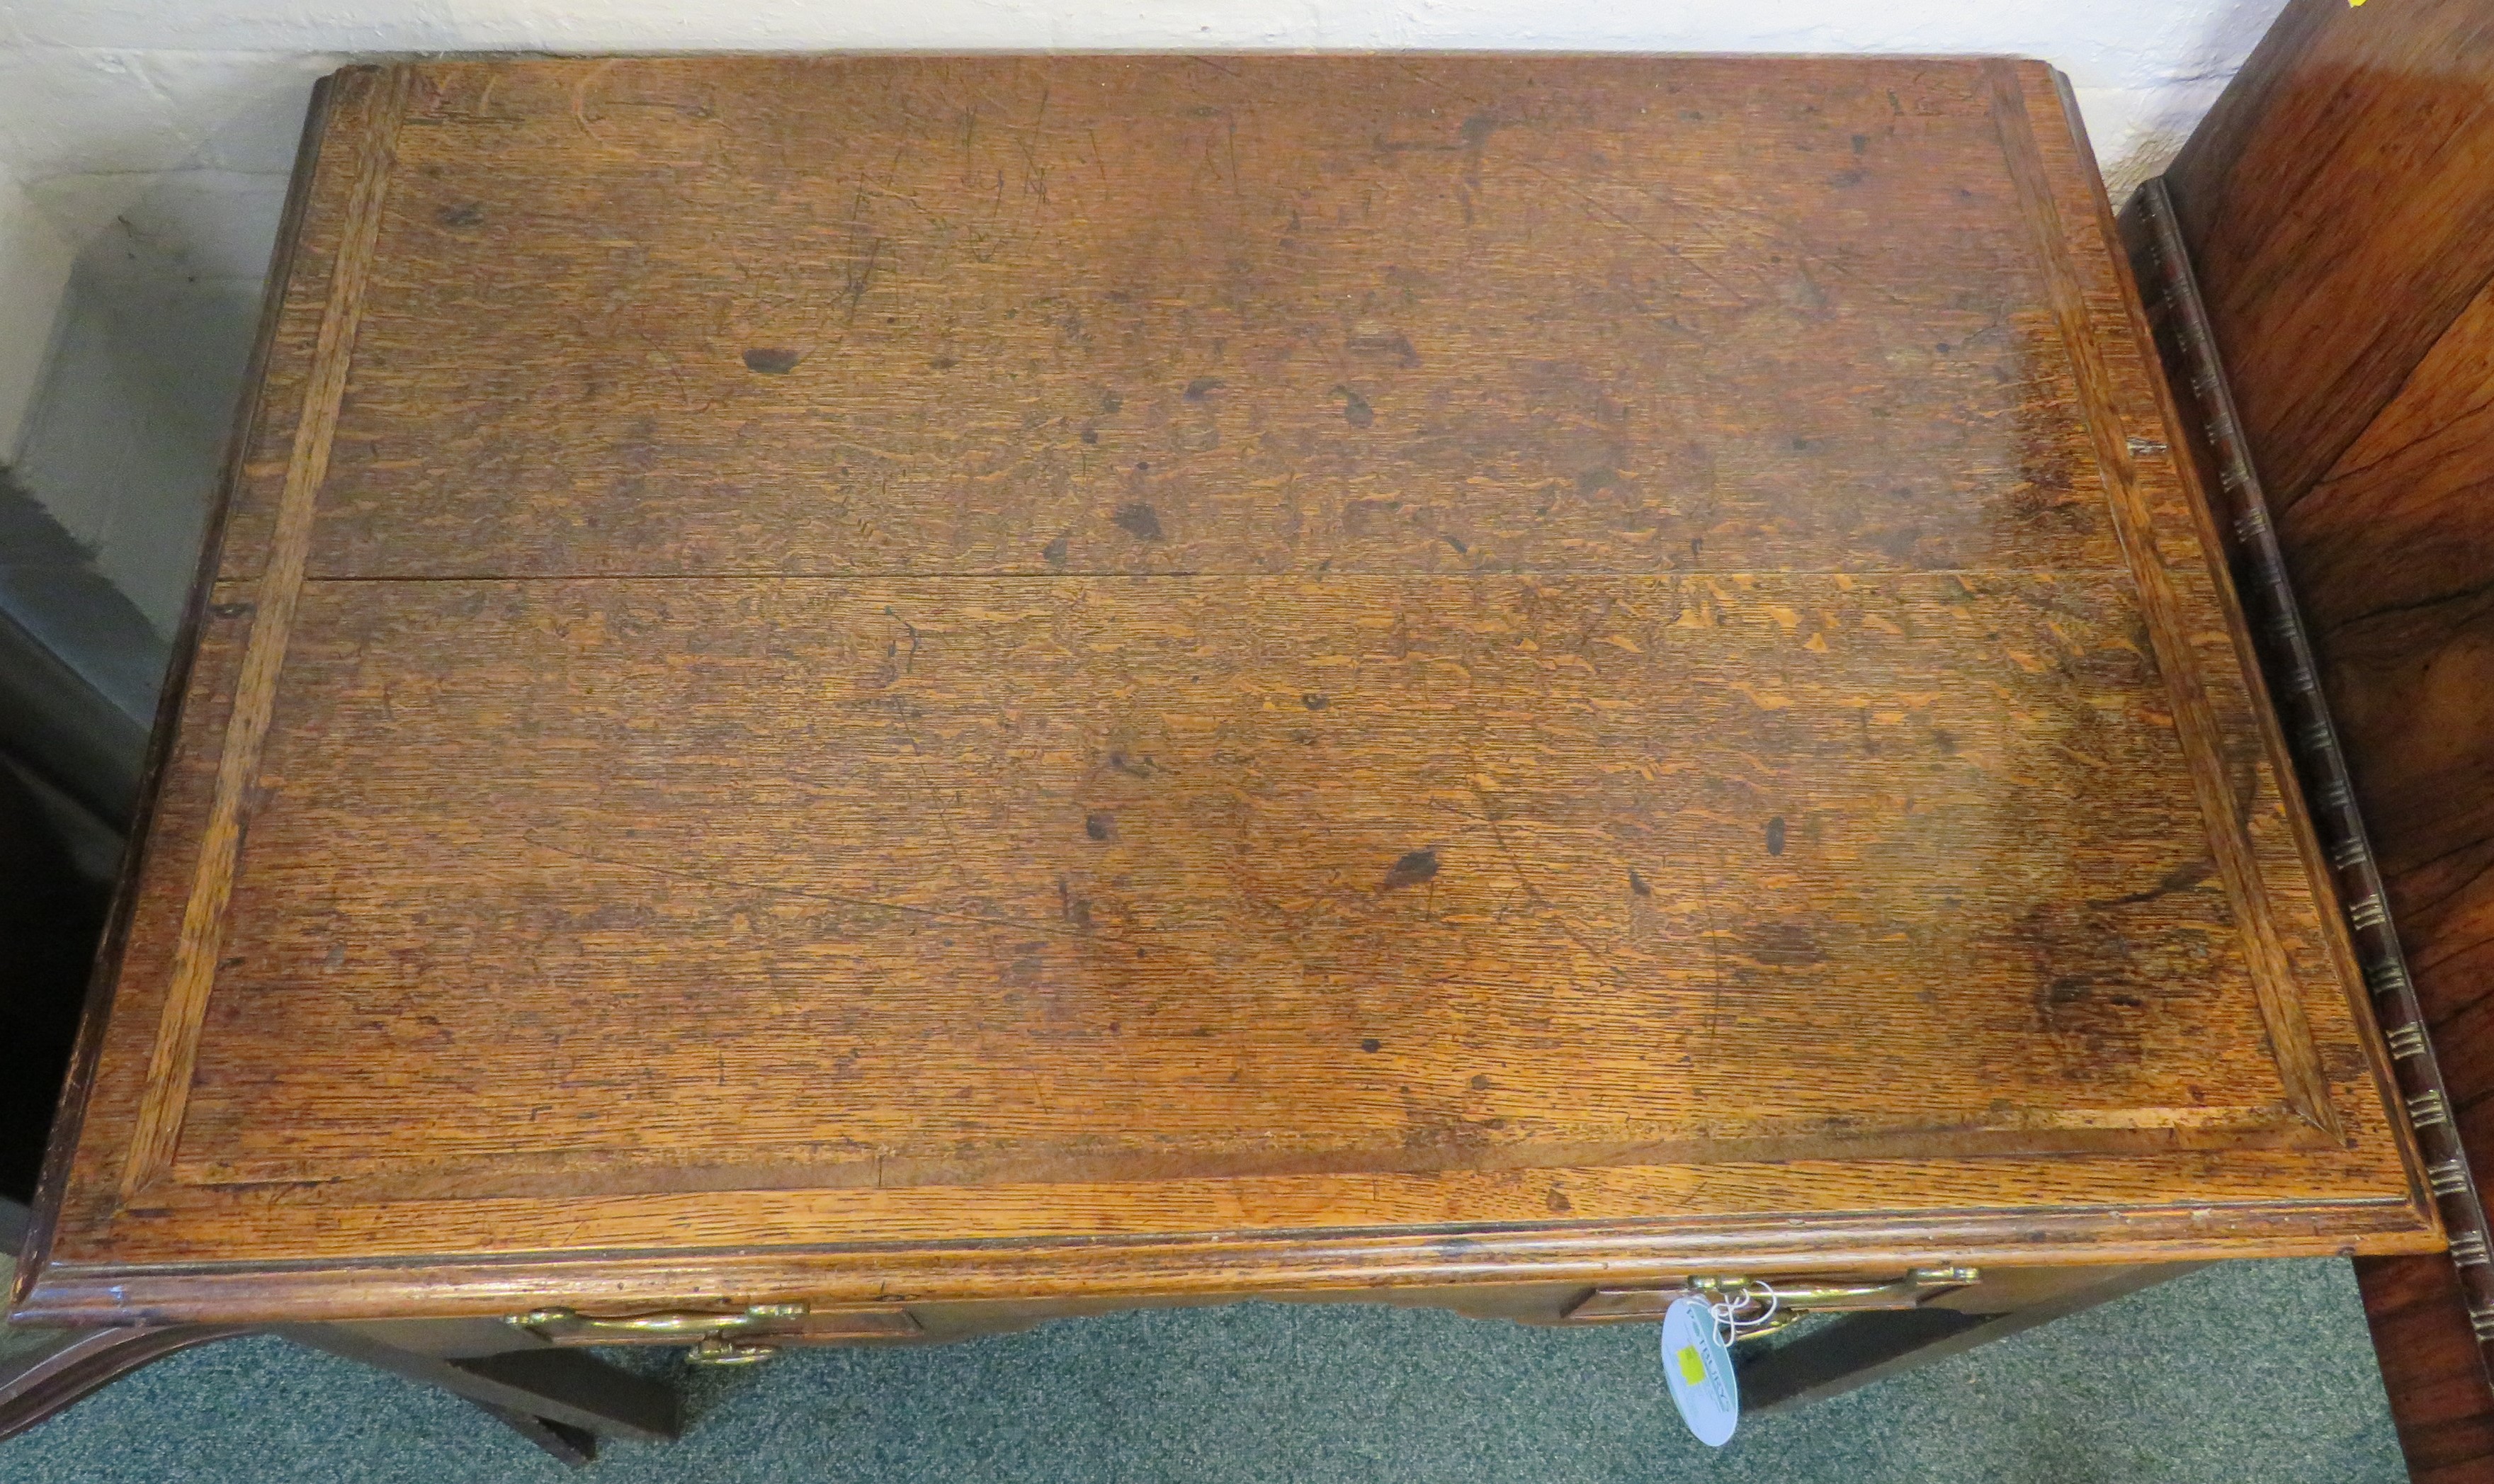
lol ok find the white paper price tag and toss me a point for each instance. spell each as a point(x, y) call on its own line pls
point(1698, 1369)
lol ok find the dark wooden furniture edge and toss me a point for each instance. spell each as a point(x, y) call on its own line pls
point(2420, 1305)
point(2245, 591)
point(2433, 1367)
point(584, 1396)
point(562, 1401)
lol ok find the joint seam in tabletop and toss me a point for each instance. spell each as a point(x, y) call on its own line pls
point(2195, 722)
point(1304, 577)
point(385, 100)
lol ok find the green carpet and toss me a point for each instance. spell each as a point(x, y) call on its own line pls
point(2248, 1372)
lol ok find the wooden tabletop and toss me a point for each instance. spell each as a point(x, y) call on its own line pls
point(927, 675)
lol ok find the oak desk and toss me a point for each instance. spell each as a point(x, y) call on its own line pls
point(878, 698)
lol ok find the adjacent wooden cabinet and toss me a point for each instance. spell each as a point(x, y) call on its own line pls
point(867, 699)
point(2333, 220)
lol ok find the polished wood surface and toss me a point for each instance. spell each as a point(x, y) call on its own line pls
point(2418, 1306)
point(2341, 231)
point(2333, 205)
point(2393, 551)
point(2432, 1366)
point(919, 680)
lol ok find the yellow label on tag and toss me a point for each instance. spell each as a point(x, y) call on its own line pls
point(1692, 1366)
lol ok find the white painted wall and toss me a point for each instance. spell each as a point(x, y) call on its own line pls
point(34, 268)
point(163, 129)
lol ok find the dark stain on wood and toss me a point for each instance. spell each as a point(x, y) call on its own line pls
point(1138, 520)
point(1413, 867)
point(2183, 877)
point(1783, 944)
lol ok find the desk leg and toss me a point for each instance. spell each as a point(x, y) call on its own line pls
point(574, 1446)
point(1855, 1349)
point(562, 1401)
point(41, 1378)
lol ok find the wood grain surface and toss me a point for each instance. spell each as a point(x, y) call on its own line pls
point(2432, 1365)
point(2439, 1405)
point(2393, 552)
point(2395, 547)
point(825, 315)
point(973, 678)
point(2337, 217)
point(1128, 877)
point(368, 122)
point(2331, 204)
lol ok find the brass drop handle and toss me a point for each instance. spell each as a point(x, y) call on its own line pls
point(716, 1351)
point(1761, 1307)
point(571, 1325)
point(1903, 1293)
